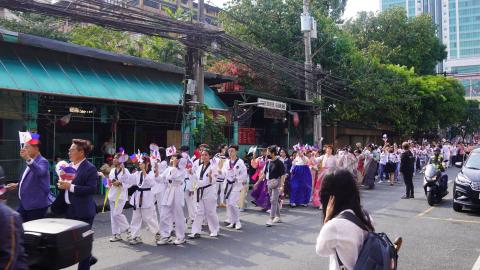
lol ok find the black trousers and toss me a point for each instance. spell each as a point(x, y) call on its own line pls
point(408, 178)
point(85, 263)
point(34, 214)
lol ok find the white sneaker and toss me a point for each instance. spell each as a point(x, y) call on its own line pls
point(214, 234)
point(241, 209)
point(231, 225)
point(277, 220)
point(129, 234)
point(193, 236)
point(269, 223)
point(238, 226)
point(269, 211)
point(179, 241)
point(135, 241)
point(116, 238)
point(162, 242)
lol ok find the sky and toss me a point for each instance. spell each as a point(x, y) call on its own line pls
point(353, 6)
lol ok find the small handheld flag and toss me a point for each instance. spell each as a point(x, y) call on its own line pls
point(134, 158)
point(68, 173)
point(106, 182)
point(58, 167)
point(24, 137)
point(171, 151)
point(123, 158)
point(189, 163)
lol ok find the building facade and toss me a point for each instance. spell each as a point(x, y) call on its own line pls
point(163, 7)
point(458, 24)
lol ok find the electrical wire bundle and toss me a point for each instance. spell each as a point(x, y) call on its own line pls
point(125, 17)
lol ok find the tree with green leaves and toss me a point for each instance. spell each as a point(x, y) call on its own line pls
point(35, 24)
point(470, 120)
point(98, 37)
point(209, 129)
point(394, 38)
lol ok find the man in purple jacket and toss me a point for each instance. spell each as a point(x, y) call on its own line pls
point(34, 186)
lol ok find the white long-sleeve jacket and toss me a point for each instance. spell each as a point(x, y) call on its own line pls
point(235, 171)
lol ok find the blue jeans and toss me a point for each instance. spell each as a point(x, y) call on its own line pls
point(381, 172)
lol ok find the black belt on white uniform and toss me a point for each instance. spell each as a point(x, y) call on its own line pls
point(141, 198)
point(220, 180)
point(200, 191)
point(228, 188)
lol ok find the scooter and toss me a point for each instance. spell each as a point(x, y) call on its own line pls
point(431, 184)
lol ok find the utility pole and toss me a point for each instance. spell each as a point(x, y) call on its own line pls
point(317, 119)
point(307, 28)
point(200, 64)
point(193, 98)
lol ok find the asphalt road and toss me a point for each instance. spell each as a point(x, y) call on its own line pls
point(434, 238)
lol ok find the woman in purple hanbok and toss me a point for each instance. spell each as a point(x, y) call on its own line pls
point(260, 189)
point(301, 181)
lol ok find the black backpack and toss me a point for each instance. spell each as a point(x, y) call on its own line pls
point(378, 252)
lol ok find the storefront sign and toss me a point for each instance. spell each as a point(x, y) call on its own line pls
point(272, 104)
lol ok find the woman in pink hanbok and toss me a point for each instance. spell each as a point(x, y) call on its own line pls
point(328, 163)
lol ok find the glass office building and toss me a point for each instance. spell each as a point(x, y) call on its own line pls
point(459, 28)
point(413, 7)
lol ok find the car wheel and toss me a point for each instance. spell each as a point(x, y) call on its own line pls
point(457, 207)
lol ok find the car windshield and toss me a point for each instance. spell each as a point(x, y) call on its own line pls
point(473, 162)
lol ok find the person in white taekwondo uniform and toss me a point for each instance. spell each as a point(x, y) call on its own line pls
point(219, 159)
point(160, 166)
point(173, 202)
point(117, 197)
point(206, 197)
point(236, 176)
point(143, 201)
point(189, 186)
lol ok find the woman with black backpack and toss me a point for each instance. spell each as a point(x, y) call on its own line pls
point(339, 237)
point(347, 228)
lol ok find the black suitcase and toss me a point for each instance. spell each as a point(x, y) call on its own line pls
point(53, 243)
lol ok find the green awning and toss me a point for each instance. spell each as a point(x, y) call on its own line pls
point(34, 70)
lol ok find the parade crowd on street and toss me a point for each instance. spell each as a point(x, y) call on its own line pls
point(171, 191)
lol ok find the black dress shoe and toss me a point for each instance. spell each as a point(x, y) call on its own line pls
point(405, 197)
point(93, 260)
point(412, 197)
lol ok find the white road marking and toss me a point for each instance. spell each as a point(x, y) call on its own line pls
point(425, 212)
point(454, 220)
point(476, 266)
